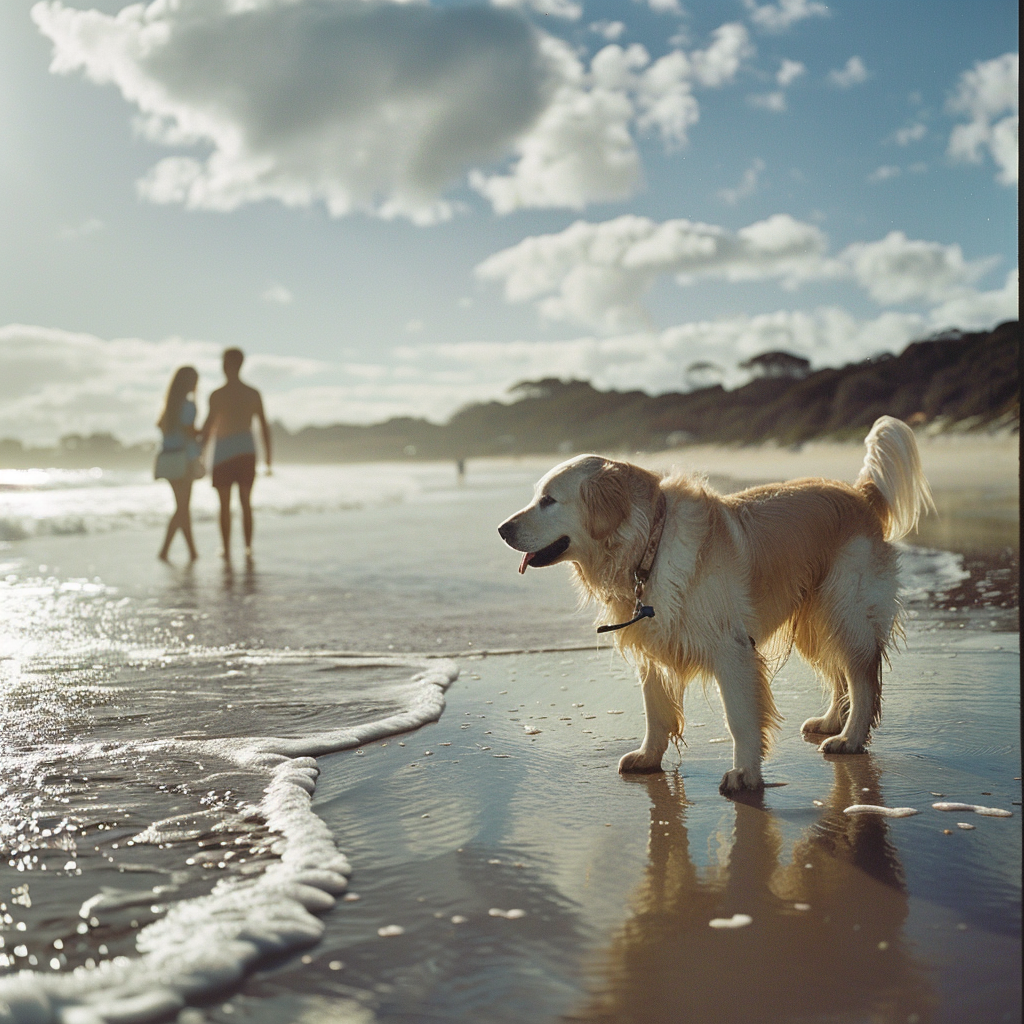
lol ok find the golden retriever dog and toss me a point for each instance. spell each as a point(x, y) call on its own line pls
point(703, 586)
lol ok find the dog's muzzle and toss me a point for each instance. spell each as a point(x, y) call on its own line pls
point(545, 556)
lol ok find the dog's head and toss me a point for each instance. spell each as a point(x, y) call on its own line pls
point(577, 507)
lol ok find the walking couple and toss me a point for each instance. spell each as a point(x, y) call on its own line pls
point(229, 424)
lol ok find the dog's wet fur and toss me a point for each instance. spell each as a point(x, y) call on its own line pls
point(738, 581)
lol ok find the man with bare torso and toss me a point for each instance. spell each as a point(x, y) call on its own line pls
point(232, 408)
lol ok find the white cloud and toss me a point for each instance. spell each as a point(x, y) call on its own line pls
point(555, 8)
point(597, 274)
point(884, 173)
point(782, 15)
point(773, 101)
point(665, 6)
point(375, 107)
point(911, 133)
point(789, 71)
point(581, 149)
point(972, 310)
point(852, 73)
point(746, 187)
point(657, 361)
point(718, 64)
point(988, 95)
point(381, 107)
point(278, 295)
point(898, 269)
point(56, 382)
point(610, 30)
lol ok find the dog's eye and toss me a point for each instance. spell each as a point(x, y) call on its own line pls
point(546, 500)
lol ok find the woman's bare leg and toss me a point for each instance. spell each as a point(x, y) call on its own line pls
point(181, 519)
point(186, 517)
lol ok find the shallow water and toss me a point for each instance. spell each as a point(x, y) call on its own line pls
point(157, 726)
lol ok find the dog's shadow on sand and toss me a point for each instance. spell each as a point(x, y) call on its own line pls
point(825, 940)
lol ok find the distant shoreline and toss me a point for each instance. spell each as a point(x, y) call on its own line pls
point(955, 383)
point(952, 459)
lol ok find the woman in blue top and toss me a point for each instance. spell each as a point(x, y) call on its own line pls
point(178, 454)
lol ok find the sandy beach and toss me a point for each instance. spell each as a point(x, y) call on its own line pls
point(503, 871)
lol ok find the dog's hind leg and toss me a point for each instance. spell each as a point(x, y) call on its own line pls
point(664, 720)
point(860, 604)
point(750, 711)
point(865, 682)
point(831, 722)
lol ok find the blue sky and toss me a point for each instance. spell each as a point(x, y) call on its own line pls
point(402, 208)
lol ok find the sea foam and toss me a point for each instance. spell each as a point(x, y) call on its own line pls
point(210, 942)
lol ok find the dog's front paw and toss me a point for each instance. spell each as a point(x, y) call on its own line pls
point(821, 726)
point(737, 779)
point(639, 761)
point(841, 745)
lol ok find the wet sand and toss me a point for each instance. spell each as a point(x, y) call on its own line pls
point(851, 917)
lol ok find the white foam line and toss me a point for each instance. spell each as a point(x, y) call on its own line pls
point(885, 812)
point(209, 943)
point(986, 812)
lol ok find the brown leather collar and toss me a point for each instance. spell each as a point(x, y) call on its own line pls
point(643, 571)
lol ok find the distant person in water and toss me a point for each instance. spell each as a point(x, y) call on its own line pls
point(178, 461)
point(232, 408)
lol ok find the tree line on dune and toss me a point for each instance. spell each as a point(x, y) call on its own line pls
point(952, 381)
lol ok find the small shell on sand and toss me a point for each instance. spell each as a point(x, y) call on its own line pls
point(511, 915)
point(988, 812)
point(390, 929)
point(736, 921)
point(531, 730)
point(963, 824)
point(886, 812)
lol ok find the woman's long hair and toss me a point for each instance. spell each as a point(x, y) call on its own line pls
point(183, 383)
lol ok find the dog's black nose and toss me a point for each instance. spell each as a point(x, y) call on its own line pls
point(507, 531)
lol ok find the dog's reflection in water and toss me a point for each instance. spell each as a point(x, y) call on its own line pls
point(825, 942)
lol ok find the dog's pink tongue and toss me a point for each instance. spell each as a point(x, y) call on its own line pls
point(525, 562)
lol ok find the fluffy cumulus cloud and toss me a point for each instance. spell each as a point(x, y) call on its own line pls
point(598, 274)
point(971, 310)
point(747, 185)
point(897, 269)
point(567, 9)
point(582, 148)
point(852, 73)
point(988, 95)
point(782, 15)
point(379, 106)
point(659, 361)
point(56, 382)
point(789, 71)
point(360, 105)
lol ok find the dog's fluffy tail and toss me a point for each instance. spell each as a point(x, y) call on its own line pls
point(892, 467)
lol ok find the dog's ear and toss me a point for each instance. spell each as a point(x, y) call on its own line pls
point(606, 498)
